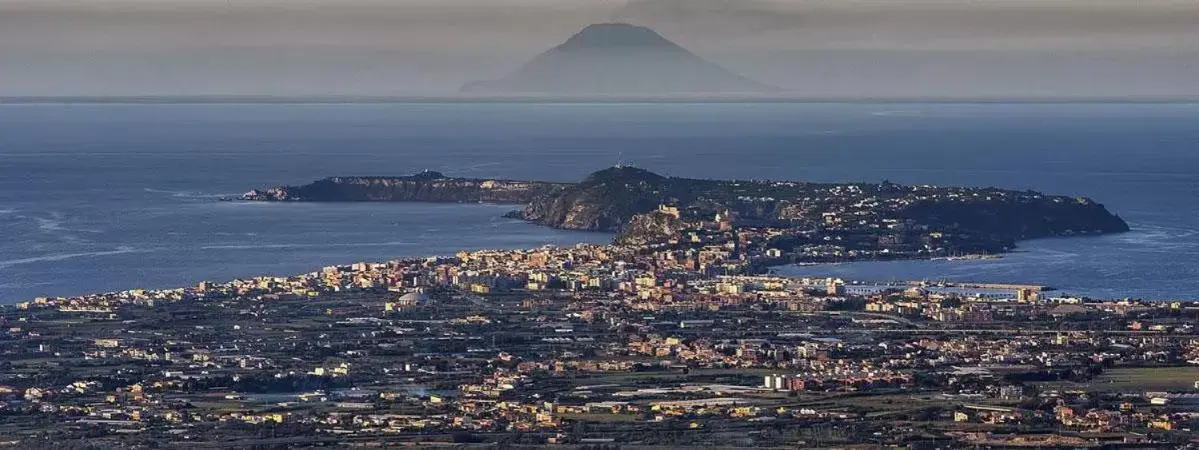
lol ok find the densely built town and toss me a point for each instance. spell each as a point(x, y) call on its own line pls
point(681, 341)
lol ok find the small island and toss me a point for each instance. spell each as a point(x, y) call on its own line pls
point(763, 221)
point(618, 59)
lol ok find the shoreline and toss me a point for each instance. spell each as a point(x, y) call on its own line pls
point(760, 269)
point(752, 225)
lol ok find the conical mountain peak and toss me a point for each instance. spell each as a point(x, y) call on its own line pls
point(618, 59)
point(615, 35)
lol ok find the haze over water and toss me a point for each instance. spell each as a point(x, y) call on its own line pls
point(100, 197)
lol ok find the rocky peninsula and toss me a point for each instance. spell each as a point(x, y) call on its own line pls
point(426, 186)
point(808, 221)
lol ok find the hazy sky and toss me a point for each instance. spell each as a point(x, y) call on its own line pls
point(829, 48)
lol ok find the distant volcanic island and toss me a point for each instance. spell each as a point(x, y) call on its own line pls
point(618, 59)
point(777, 221)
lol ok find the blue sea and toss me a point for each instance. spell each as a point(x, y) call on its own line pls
point(102, 197)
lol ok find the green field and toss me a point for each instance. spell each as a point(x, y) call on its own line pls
point(1138, 379)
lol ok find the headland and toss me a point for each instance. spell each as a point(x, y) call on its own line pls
point(774, 221)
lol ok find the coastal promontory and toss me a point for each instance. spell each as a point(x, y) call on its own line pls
point(810, 221)
point(426, 186)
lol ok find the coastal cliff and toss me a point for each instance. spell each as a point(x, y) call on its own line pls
point(608, 199)
point(604, 201)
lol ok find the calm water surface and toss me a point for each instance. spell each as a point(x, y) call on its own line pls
point(110, 197)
